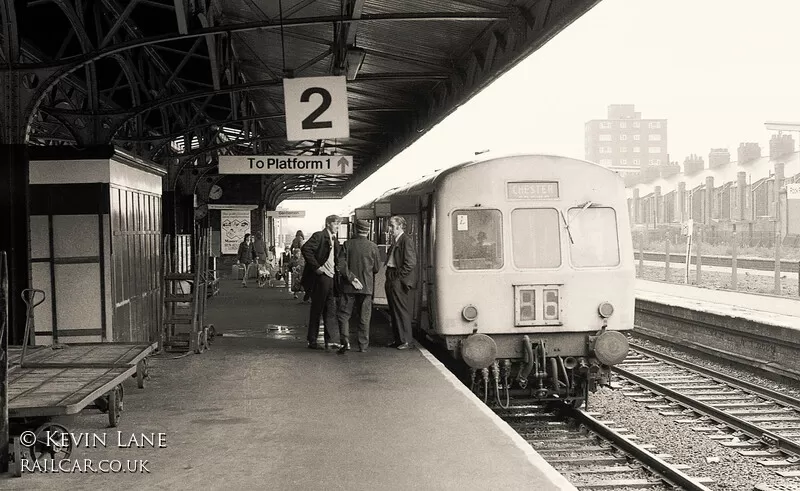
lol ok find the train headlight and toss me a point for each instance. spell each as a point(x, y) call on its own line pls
point(469, 313)
point(611, 347)
point(605, 310)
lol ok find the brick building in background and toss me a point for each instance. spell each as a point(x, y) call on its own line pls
point(625, 142)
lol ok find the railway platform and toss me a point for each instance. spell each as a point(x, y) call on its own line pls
point(262, 411)
point(760, 332)
point(759, 308)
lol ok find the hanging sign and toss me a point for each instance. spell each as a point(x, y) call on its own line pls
point(234, 224)
point(316, 108)
point(285, 164)
point(287, 214)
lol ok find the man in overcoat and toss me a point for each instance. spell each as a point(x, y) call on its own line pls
point(320, 252)
point(358, 263)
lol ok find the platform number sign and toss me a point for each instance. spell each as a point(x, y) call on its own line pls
point(316, 108)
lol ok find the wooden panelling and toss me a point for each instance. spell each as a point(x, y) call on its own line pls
point(136, 236)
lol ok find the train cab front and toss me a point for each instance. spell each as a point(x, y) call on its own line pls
point(549, 366)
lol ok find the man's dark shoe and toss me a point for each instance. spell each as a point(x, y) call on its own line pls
point(404, 346)
point(362, 350)
point(393, 345)
point(341, 350)
point(313, 346)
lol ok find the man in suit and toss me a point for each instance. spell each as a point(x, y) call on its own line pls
point(358, 263)
point(320, 253)
point(401, 280)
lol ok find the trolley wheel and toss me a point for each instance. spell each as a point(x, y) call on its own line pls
point(53, 442)
point(115, 406)
point(206, 339)
point(212, 333)
point(199, 347)
point(15, 458)
point(141, 373)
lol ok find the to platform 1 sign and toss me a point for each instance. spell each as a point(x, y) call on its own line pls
point(287, 214)
point(316, 108)
point(285, 164)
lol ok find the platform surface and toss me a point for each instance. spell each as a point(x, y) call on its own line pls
point(261, 411)
point(765, 309)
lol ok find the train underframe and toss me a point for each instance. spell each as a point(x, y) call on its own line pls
point(559, 367)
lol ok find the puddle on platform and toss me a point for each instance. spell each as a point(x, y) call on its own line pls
point(280, 331)
point(273, 331)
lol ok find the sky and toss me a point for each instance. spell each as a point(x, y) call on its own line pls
point(717, 70)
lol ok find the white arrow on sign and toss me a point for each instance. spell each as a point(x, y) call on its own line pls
point(285, 164)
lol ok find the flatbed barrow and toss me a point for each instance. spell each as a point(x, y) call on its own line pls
point(49, 382)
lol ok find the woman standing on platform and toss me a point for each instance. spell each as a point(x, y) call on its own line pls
point(299, 240)
point(297, 264)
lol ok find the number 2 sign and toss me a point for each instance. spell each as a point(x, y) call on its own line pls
point(316, 108)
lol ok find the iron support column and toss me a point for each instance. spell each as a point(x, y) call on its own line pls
point(14, 231)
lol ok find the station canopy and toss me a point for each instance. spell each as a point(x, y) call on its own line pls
point(182, 82)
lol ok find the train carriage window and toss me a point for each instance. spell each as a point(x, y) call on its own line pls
point(535, 235)
point(477, 239)
point(594, 237)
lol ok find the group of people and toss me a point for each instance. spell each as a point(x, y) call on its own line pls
point(253, 252)
point(341, 280)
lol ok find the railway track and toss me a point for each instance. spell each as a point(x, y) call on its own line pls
point(593, 455)
point(758, 422)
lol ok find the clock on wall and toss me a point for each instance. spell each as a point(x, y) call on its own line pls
point(215, 192)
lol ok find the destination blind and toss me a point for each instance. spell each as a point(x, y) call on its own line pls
point(532, 190)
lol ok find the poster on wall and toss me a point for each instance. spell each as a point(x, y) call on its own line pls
point(235, 223)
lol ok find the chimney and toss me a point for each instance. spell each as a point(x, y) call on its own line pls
point(669, 170)
point(681, 200)
point(657, 205)
point(709, 197)
point(780, 145)
point(693, 164)
point(718, 157)
point(741, 193)
point(748, 152)
point(779, 176)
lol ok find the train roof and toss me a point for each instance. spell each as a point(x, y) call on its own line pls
point(429, 181)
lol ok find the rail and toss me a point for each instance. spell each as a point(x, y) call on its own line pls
point(749, 428)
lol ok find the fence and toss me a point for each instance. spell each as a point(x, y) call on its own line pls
point(721, 261)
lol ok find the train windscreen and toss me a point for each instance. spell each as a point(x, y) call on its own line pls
point(535, 237)
point(594, 237)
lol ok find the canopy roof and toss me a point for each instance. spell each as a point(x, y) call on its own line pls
point(181, 82)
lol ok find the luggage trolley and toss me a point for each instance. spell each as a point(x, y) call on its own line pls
point(62, 380)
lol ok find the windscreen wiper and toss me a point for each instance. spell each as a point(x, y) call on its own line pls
point(566, 223)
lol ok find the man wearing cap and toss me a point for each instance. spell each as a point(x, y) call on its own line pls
point(320, 253)
point(358, 263)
